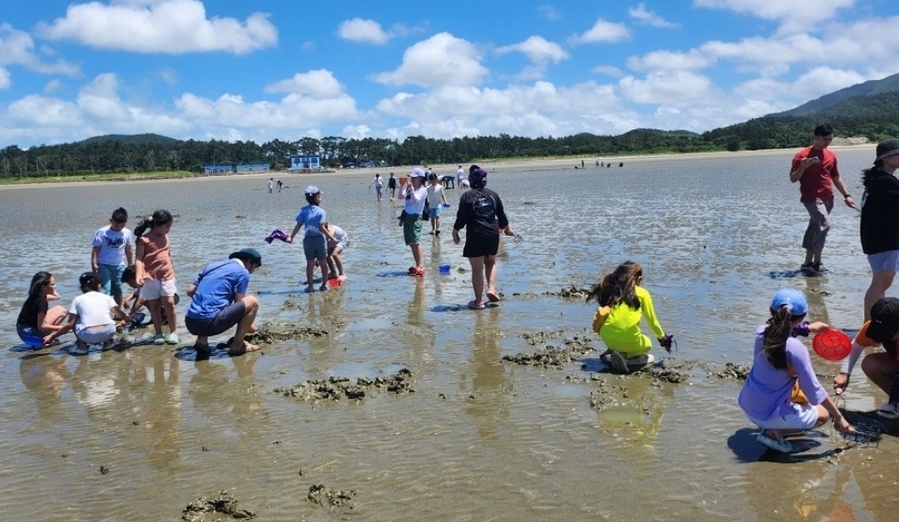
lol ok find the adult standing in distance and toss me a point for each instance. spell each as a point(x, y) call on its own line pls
point(815, 168)
point(481, 211)
point(219, 301)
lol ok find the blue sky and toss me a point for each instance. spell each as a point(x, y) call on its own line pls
point(265, 69)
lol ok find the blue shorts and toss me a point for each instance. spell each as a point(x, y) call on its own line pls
point(315, 247)
point(433, 212)
point(26, 331)
point(884, 261)
point(111, 276)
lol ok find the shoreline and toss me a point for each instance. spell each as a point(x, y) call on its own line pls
point(550, 162)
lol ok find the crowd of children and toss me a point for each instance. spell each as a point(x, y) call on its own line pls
point(782, 394)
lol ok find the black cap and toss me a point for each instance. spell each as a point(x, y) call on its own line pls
point(247, 254)
point(887, 148)
point(89, 279)
point(884, 319)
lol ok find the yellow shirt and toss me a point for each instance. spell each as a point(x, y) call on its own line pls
point(621, 330)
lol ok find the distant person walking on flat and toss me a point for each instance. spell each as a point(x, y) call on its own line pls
point(815, 168)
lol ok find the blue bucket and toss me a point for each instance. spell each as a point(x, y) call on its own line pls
point(444, 269)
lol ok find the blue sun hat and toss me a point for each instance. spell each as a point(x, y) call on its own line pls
point(793, 299)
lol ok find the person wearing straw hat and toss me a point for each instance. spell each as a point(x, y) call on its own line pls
point(219, 301)
point(815, 168)
point(879, 227)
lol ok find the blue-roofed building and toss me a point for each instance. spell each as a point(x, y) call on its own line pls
point(218, 169)
point(253, 167)
point(310, 162)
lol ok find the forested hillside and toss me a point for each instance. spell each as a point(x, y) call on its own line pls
point(874, 116)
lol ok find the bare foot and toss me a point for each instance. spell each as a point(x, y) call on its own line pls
point(246, 348)
point(323, 287)
point(252, 328)
point(492, 296)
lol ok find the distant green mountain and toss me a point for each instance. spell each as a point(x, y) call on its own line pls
point(870, 88)
point(134, 139)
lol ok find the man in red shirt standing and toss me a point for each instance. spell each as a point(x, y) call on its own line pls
point(815, 168)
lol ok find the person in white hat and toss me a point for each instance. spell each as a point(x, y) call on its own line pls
point(315, 241)
point(414, 195)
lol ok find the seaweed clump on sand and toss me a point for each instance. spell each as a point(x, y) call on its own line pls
point(730, 371)
point(332, 498)
point(337, 388)
point(571, 349)
point(206, 509)
point(570, 292)
point(276, 332)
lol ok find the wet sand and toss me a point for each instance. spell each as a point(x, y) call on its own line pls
point(386, 399)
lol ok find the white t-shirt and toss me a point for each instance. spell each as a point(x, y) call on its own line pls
point(459, 175)
point(112, 245)
point(414, 200)
point(339, 237)
point(435, 195)
point(92, 309)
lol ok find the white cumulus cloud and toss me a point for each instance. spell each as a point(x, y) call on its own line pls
point(539, 50)
point(602, 32)
point(160, 26)
point(319, 84)
point(646, 17)
point(360, 30)
point(442, 59)
point(793, 15)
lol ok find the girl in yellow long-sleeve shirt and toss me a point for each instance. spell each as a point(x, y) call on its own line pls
point(622, 302)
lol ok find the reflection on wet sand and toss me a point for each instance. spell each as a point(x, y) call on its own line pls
point(488, 402)
point(479, 438)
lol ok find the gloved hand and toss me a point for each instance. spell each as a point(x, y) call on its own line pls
point(667, 341)
point(802, 329)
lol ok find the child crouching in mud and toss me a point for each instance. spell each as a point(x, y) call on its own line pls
point(622, 302)
point(782, 395)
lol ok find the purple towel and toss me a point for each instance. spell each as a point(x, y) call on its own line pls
point(276, 234)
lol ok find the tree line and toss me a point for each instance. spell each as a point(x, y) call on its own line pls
point(873, 117)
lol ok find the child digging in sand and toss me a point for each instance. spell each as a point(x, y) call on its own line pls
point(622, 302)
point(782, 395)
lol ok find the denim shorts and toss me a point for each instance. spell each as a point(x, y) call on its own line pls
point(803, 417)
point(25, 331)
point(315, 247)
point(884, 261)
point(433, 212)
point(111, 276)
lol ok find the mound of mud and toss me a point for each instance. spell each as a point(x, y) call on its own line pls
point(337, 388)
point(570, 349)
point(571, 292)
point(269, 333)
point(206, 509)
point(332, 498)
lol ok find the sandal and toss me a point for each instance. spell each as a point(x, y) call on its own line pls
point(780, 445)
point(493, 297)
point(474, 305)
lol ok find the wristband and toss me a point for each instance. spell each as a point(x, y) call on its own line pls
point(847, 196)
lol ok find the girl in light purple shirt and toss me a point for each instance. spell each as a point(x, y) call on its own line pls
point(782, 395)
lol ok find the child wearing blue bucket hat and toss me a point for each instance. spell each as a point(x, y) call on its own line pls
point(782, 394)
